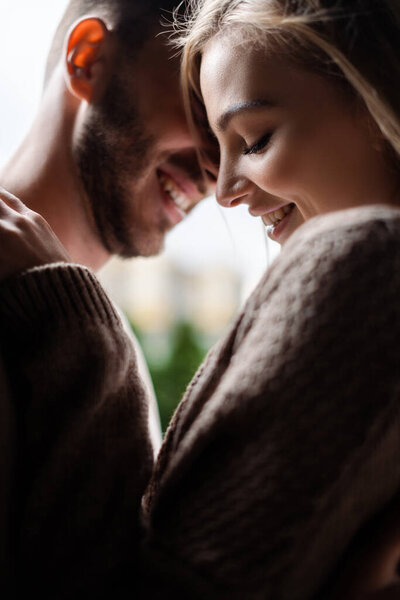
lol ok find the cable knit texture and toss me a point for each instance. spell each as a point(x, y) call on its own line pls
point(289, 438)
point(83, 456)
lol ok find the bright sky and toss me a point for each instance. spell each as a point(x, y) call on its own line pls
point(210, 235)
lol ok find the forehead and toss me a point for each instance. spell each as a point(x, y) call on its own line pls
point(235, 69)
point(232, 73)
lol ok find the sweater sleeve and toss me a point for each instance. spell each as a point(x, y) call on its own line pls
point(83, 454)
point(290, 440)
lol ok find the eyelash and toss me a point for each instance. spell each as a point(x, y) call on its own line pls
point(258, 146)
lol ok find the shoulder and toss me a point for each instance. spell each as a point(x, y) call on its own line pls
point(350, 225)
point(345, 235)
point(334, 288)
point(336, 246)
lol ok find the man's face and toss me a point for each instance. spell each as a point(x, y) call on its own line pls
point(135, 156)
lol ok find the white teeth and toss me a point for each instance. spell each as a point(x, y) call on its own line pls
point(273, 218)
point(286, 209)
point(179, 198)
point(278, 215)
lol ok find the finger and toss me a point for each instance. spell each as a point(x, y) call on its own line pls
point(12, 201)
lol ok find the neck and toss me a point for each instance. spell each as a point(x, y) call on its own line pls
point(43, 175)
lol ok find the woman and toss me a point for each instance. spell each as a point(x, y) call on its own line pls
point(307, 119)
point(287, 441)
point(286, 444)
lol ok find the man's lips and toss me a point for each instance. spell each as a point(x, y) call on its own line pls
point(175, 202)
point(182, 191)
point(185, 182)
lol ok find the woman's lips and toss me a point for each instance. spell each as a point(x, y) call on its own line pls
point(273, 217)
point(277, 221)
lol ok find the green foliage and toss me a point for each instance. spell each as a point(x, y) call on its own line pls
point(171, 377)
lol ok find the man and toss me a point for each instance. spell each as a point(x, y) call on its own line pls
point(109, 162)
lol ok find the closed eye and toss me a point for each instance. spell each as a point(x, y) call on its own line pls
point(260, 145)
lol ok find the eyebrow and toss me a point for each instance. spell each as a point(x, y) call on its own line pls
point(224, 119)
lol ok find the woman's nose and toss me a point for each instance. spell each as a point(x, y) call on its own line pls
point(232, 190)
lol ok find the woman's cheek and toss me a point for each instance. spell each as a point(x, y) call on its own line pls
point(280, 168)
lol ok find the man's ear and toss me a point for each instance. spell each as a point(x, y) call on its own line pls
point(86, 55)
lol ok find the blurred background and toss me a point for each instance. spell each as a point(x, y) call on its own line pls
point(180, 302)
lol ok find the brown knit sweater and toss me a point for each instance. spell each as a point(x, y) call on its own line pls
point(82, 450)
point(288, 438)
point(286, 442)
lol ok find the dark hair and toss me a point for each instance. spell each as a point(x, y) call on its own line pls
point(131, 20)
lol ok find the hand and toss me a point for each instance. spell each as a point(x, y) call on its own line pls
point(26, 239)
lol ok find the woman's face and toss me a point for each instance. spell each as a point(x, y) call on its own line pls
point(292, 146)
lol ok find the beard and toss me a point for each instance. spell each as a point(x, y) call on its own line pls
point(111, 155)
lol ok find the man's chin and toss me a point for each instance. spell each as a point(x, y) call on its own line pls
point(141, 248)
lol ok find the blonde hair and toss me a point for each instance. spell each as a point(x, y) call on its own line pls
point(357, 40)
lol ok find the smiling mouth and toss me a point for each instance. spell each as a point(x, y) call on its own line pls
point(175, 193)
point(273, 218)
